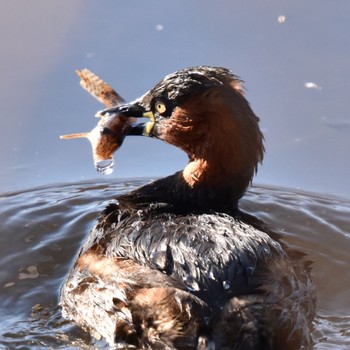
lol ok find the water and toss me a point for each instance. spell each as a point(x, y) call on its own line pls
point(42, 229)
point(298, 83)
point(105, 166)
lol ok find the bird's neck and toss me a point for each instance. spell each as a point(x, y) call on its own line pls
point(210, 171)
point(196, 172)
point(174, 194)
point(216, 181)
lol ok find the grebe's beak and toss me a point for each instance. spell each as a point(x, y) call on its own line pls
point(133, 110)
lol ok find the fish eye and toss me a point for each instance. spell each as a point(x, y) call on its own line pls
point(106, 131)
point(160, 107)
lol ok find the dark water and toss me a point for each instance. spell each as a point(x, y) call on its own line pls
point(42, 229)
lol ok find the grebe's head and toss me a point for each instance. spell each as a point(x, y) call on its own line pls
point(202, 111)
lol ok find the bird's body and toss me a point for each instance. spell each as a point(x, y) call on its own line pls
point(176, 264)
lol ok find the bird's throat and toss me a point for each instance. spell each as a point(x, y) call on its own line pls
point(196, 172)
point(205, 173)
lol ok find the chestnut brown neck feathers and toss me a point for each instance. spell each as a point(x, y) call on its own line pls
point(220, 133)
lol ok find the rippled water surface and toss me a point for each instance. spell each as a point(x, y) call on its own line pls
point(42, 228)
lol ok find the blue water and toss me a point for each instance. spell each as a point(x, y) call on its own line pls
point(43, 227)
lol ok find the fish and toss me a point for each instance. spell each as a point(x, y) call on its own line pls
point(108, 136)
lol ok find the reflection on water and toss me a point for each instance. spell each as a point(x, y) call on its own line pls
point(43, 228)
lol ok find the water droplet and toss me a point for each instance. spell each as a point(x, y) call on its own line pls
point(226, 285)
point(206, 320)
point(311, 85)
point(191, 283)
point(137, 225)
point(281, 19)
point(105, 166)
point(159, 259)
point(212, 276)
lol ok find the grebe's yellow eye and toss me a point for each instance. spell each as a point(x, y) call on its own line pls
point(160, 107)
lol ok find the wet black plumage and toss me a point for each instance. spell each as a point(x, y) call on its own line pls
point(175, 263)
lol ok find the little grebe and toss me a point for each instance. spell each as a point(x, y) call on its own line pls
point(175, 264)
